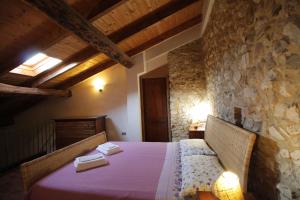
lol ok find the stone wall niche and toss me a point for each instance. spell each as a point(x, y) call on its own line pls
point(187, 86)
point(238, 116)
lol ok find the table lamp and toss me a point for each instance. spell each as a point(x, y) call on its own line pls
point(199, 114)
point(227, 187)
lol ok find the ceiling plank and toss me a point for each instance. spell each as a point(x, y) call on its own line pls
point(5, 88)
point(102, 66)
point(32, 44)
point(67, 17)
point(118, 36)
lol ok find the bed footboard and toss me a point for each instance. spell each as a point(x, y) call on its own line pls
point(36, 169)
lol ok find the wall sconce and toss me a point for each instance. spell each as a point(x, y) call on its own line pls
point(99, 84)
point(227, 187)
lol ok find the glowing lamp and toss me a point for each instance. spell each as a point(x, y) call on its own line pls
point(199, 112)
point(227, 187)
point(99, 84)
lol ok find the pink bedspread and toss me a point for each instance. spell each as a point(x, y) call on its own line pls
point(131, 174)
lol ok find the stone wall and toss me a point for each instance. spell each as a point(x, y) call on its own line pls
point(187, 86)
point(251, 53)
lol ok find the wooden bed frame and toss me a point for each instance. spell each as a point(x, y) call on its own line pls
point(36, 169)
point(232, 144)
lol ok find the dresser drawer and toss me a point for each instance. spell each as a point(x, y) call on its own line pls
point(69, 131)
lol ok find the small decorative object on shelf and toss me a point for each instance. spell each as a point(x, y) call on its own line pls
point(227, 187)
point(196, 130)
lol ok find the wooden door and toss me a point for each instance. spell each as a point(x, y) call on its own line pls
point(155, 109)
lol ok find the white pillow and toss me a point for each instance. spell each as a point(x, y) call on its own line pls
point(195, 147)
point(199, 172)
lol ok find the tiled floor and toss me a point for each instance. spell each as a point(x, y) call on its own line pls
point(11, 187)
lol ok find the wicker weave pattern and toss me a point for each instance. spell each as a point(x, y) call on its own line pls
point(36, 169)
point(233, 146)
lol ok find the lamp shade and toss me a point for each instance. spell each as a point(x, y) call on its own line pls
point(227, 187)
point(99, 84)
point(200, 111)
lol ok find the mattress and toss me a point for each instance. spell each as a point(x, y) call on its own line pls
point(142, 171)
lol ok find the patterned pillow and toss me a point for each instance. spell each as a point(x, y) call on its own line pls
point(199, 172)
point(195, 147)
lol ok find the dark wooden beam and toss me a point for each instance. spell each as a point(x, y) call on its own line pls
point(25, 102)
point(86, 74)
point(118, 36)
point(40, 38)
point(151, 18)
point(5, 88)
point(71, 20)
point(102, 8)
point(102, 66)
point(146, 45)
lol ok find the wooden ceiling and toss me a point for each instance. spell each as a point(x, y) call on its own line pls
point(131, 26)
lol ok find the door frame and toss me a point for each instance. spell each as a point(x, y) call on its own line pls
point(142, 107)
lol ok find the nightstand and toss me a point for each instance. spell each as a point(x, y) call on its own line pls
point(210, 196)
point(197, 131)
point(205, 196)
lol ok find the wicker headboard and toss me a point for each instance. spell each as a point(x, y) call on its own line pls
point(233, 146)
point(34, 170)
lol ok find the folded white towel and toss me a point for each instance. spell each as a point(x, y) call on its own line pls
point(109, 148)
point(90, 161)
point(108, 145)
point(90, 157)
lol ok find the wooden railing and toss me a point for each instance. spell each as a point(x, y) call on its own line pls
point(24, 144)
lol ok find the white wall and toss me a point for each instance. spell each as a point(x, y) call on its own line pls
point(86, 101)
point(120, 100)
point(134, 127)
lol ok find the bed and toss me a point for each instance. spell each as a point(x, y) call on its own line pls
point(143, 170)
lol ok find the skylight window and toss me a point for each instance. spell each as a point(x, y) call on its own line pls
point(36, 64)
point(35, 59)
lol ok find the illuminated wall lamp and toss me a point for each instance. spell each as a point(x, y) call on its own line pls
point(99, 84)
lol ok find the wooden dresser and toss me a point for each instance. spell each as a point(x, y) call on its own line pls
point(71, 130)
